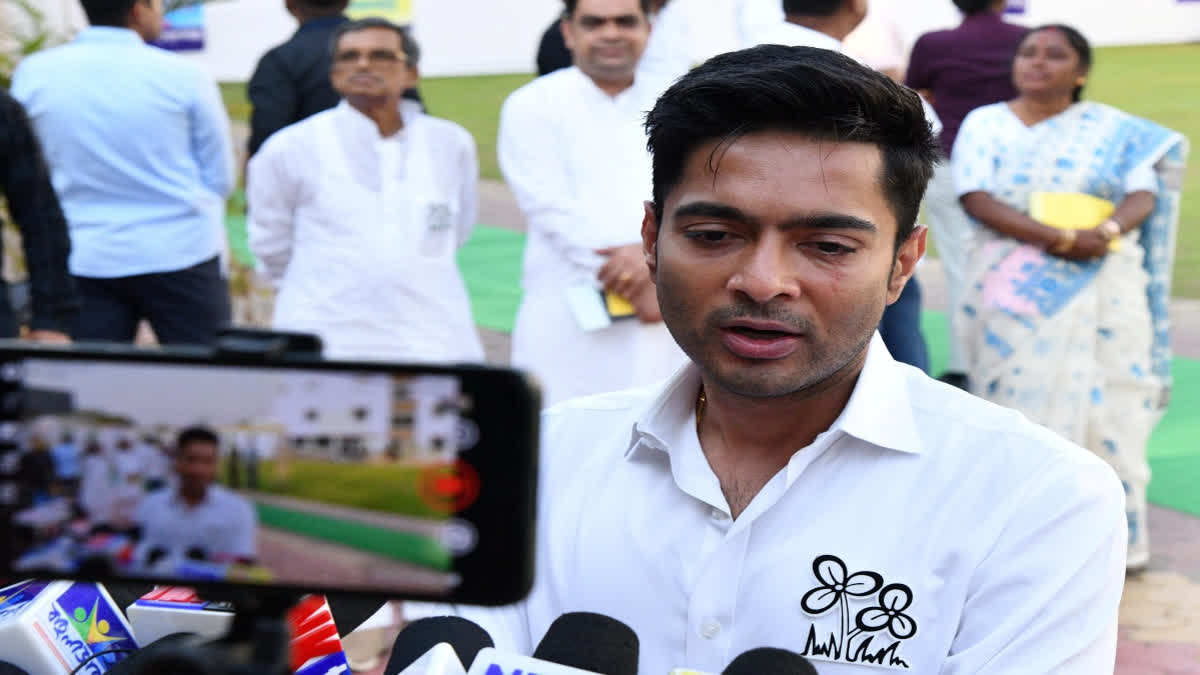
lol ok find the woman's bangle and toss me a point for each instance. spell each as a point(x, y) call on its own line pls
point(1111, 229)
point(1066, 241)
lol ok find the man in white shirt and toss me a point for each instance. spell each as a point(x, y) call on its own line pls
point(357, 212)
point(794, 486)
point(198, 519)
point(572, 149)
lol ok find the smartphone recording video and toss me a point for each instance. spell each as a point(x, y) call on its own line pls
point(416, 483)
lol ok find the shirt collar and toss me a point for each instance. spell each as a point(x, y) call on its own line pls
point(879, 411)
point(109, 34)
point(361, 124)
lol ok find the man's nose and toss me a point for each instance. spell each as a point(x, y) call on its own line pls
point(768, 272)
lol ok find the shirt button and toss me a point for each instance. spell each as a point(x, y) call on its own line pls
point(719, 516)
point(710, 628)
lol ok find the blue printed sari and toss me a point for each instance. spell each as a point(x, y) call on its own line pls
point(1080, 347)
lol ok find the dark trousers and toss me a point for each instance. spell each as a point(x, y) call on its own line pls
point(901, 328)
point(186, 306)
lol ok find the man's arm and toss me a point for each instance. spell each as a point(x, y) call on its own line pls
point(272, 193)
point(468, 196)
point(212, 145)
point(1045, 598)
point(243, 535)
point(25, 181)
point(275, 100)
point(533, 168)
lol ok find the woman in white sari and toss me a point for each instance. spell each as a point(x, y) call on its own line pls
point(1070, 326)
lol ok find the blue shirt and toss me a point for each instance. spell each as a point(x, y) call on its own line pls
point(139, 148)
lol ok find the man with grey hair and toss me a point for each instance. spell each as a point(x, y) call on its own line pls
point(356, 213)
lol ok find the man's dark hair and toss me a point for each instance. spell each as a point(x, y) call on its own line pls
point(811, 7)
point(323, 7)
point(1078, 43)
point(108, 12)
point(412, 51)
point(972, 7)
point(573, 4)
point(196, 435)
point(816, 92)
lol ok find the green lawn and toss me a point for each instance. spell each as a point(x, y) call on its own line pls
point(375, 487)
point(1161, 83)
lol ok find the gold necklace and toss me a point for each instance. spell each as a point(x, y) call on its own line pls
point(701, 404)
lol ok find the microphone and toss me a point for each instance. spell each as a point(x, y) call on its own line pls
point(578, 643)
point(590, 641)
point(769, 660)
point(437, 645)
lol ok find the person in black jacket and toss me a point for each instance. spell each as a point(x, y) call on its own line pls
point(33, 204)
point(291, 81)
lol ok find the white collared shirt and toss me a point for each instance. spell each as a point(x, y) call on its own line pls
point(997, 546)
point(576, 160)
point(223, 523)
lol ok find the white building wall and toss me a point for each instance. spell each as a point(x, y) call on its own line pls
point(470, 37)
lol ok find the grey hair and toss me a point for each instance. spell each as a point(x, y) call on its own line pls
point(412, 51)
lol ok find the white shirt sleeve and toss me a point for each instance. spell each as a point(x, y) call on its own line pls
point(533, 168)
point(1045, 599)
point(212, 143)
point(271, 193)
point(243, 528)
point(1141, 179)
point(972, 159)
point(468, 197)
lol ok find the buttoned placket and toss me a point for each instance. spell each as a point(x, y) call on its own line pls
point(391, 202)
point(724, 547)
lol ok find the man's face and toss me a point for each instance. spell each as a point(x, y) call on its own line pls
point(607, 37)
point(197, 466)
point(773, 271)
point(370, 64)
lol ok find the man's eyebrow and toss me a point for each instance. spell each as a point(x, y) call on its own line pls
point(820, 221)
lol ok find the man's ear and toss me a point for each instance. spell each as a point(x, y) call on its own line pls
point(650, 239)
point(565, 27)
point(905, 264)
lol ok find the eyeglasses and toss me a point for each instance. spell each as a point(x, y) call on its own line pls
point(375, 57)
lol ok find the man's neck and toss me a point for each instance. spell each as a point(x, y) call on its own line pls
point(748, 440)
point(193, 499)
point(384, 112)
point(614, 86)
point(304, 17)
point(836, 26)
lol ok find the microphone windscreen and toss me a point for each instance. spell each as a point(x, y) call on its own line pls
point(7, 668)
point(770, 660)
point(592, 642)
point(418, 637)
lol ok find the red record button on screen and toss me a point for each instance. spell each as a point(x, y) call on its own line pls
point(450, 487)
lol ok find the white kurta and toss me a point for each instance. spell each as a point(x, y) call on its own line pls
point(360, 233)
point(577, 163)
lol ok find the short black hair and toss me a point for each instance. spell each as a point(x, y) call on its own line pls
point(811, 7)
point(810, 91)
point(196, 435)
point(1078, 43)
point(573, 4)
point(108, 12)
point(972, 7)
point(408, 44)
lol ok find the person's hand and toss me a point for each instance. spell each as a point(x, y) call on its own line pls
point(49, 337)
point(625, 272)
point(1088, 245)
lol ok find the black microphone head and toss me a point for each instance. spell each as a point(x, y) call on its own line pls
point(770, 660)
point(418, 637)
point(592, 642)
point(7, 668)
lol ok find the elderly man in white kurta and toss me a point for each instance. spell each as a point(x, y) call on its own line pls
point(573, 150)
point(357, 213)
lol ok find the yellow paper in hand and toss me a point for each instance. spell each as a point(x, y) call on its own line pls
point(618, 307)
point(1072, 211)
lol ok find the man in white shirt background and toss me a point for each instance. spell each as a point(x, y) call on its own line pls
point(357, 213)
point(198, 518)
point(795, 486)
point(572, 149)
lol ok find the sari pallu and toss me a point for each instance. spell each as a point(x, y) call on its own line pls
point(1082, 348)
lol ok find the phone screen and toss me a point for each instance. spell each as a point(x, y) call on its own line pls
point(414, 482)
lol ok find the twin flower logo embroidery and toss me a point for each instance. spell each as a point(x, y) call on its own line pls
point(862, 636)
